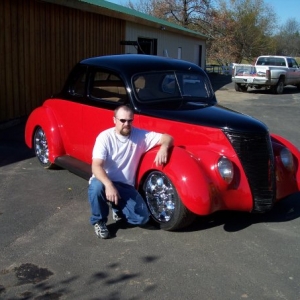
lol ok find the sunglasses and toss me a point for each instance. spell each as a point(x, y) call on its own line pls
point(123, 121)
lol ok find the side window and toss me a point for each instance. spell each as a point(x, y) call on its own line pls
point(107, 86)
point(169, 84)
point(155, 86)
point(280, 62)
point(195, 86)
point(261, 61)
point(292, 63)
point(295, 64)
point(77, 84)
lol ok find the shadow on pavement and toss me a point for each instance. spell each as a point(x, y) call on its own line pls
point(12, 145)
point(289, 89)
point(283, 211)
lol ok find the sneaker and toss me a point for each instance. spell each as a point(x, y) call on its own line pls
point(115, 216)
point(101, 230)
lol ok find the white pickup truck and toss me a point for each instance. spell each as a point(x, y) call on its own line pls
point(271, 72)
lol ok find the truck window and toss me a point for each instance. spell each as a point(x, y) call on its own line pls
point(271, 61)
point(280, 62)
point(261, 61)
point(292, 63)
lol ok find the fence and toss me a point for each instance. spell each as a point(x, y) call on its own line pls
point(225, 70)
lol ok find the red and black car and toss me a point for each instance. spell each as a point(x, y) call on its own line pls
point(221, 159)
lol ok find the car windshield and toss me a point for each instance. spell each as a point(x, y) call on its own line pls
point(158, 86)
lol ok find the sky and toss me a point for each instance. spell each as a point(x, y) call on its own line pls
point(285, 9)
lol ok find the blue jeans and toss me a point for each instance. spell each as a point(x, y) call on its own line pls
point(131, 206)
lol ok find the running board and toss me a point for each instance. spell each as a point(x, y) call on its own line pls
point(75, 166)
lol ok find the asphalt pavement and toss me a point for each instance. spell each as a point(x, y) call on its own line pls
point(49, 249)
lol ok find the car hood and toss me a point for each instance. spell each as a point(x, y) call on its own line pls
point(215, 116)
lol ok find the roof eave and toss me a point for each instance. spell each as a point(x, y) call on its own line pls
point(89, 7)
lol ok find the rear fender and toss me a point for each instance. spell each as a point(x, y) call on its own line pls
point(183, 169)
point(44, 118)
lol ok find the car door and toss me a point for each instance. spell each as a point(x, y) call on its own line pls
point(106, 91)
point(68, 112)
point(294, 71)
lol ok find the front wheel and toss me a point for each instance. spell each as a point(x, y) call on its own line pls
point(40, 145)
point(164, 203)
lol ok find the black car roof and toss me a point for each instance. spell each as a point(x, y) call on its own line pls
point(135, 63)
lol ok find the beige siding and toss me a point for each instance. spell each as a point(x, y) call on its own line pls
point(168, 41)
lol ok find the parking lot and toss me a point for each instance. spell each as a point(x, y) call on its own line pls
point(49, 249)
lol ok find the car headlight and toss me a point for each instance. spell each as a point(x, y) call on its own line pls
point(287, 159)
point(225, 168)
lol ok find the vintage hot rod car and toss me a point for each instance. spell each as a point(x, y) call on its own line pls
point(221, 159)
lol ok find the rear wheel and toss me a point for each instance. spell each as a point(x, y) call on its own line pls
point(164, 203)
point(240, 87)
point(278, 88)
point(40, 145)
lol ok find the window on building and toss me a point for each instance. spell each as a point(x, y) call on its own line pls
point(147, 46)
point(179, 53)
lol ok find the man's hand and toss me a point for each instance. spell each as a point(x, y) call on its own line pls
point(112, 194)
point(161, 156)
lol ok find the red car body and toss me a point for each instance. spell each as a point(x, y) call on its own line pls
point(210, 140)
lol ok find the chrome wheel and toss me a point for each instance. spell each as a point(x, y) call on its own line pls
point(160, 196)
point(40, 145)
point(164, 203)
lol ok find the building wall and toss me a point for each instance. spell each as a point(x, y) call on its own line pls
point(167, 42)
point(40, 43)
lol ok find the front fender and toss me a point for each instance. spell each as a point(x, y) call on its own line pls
point(296, 154)
point(44, 118)
point(192, 184)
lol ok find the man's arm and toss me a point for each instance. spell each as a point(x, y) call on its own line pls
point(111, 192)
point(166, 141)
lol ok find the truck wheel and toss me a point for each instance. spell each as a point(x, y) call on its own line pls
point(164, 203)
point(237, 87)
point(278, 88)
point(298, 87)
point(40, 145)
point(244, 88)
point(240, 88)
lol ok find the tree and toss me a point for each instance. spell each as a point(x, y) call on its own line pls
point(288, 38)
point(237, 30)
point(220, 46)
point(144, 6)
point(244, 28)
point(192, 14)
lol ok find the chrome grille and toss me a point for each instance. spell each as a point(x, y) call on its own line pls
point(256, 156)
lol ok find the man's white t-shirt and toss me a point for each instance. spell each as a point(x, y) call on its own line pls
point(121, 154)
